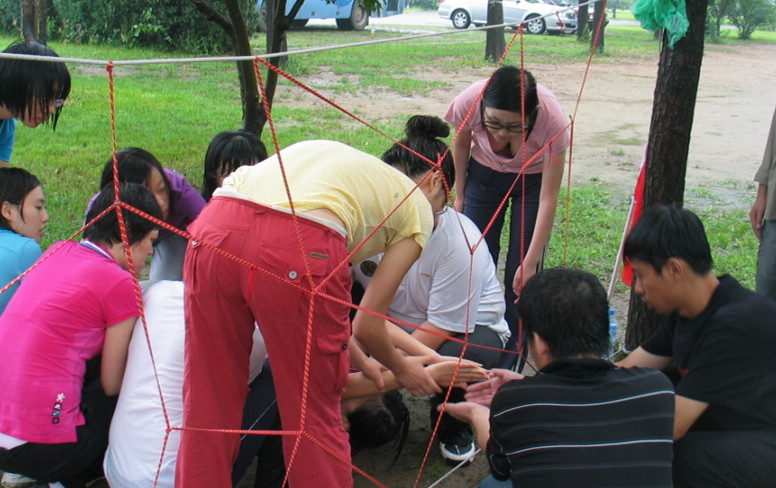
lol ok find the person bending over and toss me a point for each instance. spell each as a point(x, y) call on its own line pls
point(344, 205)
point(179, 200)
point(580, 421)
point(63, 340)
point(513, 146)
point(721, 338)
point(451, 293)
point(31, 91)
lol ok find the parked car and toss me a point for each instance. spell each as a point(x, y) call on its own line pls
point(538, 17)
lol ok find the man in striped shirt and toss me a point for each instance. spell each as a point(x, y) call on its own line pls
point(581, 421)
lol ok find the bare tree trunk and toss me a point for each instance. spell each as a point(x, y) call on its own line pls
point(253, 114)
point(494, 41)
point(669, 140)
point(582, 17)
point(599, 19)
point(34, 20)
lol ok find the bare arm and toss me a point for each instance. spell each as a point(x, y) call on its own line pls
point(430, 335)
point(548, 204)
point(643, 359)
point(370, 330)
point(461, 148)
point(408, 343)
point(4, 164)
point(757, 213)
point(359, 385)
point(687, 412)
point(114, 355)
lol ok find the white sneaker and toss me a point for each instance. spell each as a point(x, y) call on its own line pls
point(13, 480)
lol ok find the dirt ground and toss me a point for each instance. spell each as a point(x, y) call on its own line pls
point(735, 103)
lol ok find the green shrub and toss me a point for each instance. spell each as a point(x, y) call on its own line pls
point(10, 17)
point(424, 4)
point(166, 24)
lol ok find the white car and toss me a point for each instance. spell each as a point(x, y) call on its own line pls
point(538, 16)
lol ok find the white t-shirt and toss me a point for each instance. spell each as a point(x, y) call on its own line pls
point(436, 288)
point(138, 427)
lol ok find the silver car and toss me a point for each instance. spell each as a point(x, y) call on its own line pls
point(538, 16)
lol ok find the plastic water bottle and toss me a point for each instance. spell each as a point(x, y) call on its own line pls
point(612, 331)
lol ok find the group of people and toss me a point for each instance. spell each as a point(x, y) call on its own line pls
point(255, 323)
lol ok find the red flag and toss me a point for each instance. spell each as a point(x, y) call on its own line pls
point(636, 206)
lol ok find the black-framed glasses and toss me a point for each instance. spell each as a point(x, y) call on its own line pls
point(530, 119)
point(495, 126)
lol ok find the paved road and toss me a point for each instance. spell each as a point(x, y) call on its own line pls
point(427, 19)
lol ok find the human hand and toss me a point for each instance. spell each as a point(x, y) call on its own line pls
point(458, 202)
point(524, 273)
point(413, 375)
point(469, 372)
point(465, 411)
point(482, 393)
point(757, 214)
point(373, 370)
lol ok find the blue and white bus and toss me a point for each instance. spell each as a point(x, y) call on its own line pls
point(349, 14)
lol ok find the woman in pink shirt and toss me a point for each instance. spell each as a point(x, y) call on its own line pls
point(63, 340)
point(512, 146)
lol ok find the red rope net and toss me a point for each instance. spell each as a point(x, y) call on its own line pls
point(120, 207)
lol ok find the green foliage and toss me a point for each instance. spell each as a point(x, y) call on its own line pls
point(424, 4)
point(166, 24)
point(10, 16)
point(749, 15)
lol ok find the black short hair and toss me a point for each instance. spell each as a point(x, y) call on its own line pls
point(106, 230)
point(228, 151)
point(424, 133)
point(568, 309)
point(375, 424)
point(504, 92)
point(135, 165)
point(27, 84)
point(15, 185)
point(669, 231)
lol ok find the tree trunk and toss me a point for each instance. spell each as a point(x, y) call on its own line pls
point(34, 20)
point(253, 114)
point(597, 30)
point(494, 41)
point(582, 16)
point(669, 140)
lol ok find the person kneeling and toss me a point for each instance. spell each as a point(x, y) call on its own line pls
point(581, 421)
point(63, 340)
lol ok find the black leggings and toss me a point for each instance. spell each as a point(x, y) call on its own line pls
point(71, 463)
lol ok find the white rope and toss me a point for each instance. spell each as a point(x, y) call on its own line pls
point(220, 59)
point(462, 463)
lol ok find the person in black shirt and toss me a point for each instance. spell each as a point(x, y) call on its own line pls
point(721, 339)
point(581, 421)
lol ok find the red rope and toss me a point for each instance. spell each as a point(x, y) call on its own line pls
point(314, 290)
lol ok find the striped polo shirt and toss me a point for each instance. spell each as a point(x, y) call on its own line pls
point(583, 423)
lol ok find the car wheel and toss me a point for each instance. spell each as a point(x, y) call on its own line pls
point(461, 19)
point(535, 25)
point(298, 23)
point(359, 18)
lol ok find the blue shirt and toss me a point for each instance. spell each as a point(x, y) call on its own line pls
point(17, 253)
point(7, 132)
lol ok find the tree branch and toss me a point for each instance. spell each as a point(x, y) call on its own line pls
point(214, 15)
